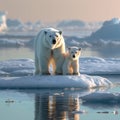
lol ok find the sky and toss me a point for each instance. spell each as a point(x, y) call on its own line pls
point(56, 10)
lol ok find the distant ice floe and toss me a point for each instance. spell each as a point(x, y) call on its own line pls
point(71, 23)
point(109, 30)
point(106, 36)
point(12, 43)
point(28, 40)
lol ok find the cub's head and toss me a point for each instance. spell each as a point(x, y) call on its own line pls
point(74, 52)
point(53, 38)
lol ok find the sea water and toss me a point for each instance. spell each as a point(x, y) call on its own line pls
point(53, 104)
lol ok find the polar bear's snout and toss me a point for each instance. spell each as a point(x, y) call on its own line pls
point(73, 56)
point(54, 41)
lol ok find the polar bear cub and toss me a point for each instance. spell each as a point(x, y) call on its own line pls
point(71, 62)
point(49, 49)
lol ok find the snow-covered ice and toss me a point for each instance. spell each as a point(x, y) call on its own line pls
point(82, 81)
point(88, 65)
point(23, 69)
point(17, 67)
point(98, 66)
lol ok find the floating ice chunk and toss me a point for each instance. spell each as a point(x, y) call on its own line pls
point(79, 112)
point(82, 81)
point(102, 98)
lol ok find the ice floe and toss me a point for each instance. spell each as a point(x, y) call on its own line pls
point(98, 66)
point(104, 98)
point(23, 69)
point(82, 81)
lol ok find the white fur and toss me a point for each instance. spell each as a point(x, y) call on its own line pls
point(71, 64)
point(47, 53)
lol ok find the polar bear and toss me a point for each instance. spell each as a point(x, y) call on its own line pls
point(49, 49)
point(71, 62)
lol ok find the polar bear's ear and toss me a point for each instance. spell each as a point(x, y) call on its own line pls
point(69, 48)
point(45, 32)
point(60, 32)
point(80, 49)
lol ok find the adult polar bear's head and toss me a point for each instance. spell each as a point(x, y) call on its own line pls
point(52, 38)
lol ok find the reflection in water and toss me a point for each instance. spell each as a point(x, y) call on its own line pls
point(74, 105)
point(56, 107)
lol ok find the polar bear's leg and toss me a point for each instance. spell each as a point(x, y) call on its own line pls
point(44, 66)
point(37, 67)
point(58, 55)
point(59, 64)
point(75, 67)
point(52, 66)
point(66, 68)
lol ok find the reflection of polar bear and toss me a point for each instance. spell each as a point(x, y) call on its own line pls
point(71, 63)
point(49, 49)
